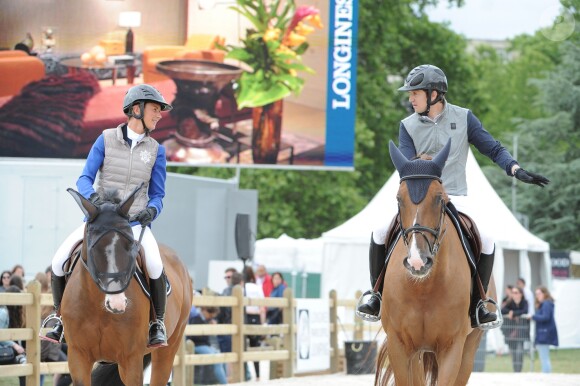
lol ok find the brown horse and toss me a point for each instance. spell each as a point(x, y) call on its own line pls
point(426, 292)
point(96, 327)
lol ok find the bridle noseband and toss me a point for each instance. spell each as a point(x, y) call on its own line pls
point(420, 229)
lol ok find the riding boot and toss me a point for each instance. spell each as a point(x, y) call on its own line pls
point(58, 284)
point(484, 269)
point(157, 333)
point(377, 256)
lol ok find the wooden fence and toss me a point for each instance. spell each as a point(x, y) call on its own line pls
point(280, 351)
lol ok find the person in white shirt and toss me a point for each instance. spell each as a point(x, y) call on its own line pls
point(254, 314)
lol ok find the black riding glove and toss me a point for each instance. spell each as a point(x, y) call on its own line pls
point(95, 199)
point(146, 216)
point(531, 178)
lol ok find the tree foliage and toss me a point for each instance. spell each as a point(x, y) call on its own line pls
point(551, 145)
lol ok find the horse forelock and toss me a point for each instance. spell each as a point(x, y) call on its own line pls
point(111, 195)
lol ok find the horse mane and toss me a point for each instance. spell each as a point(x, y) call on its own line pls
point(111, 195)
point(423, 156)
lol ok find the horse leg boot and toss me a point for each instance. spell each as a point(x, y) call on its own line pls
point(371, 309)
point(58, 284)
point(484, 269)
point(157, 333)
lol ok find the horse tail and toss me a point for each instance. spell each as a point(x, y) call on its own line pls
point(108, 373)
point(430, 368)
point(384, 372)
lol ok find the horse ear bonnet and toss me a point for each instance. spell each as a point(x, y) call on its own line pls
point(418, 187)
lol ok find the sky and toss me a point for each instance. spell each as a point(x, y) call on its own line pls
point(497, 19)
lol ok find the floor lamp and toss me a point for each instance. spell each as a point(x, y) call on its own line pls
point(129, 20)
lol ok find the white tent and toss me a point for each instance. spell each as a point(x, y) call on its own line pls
point(288, 254)
point(518, 252)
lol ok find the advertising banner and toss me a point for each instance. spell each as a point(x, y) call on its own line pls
point(224, 112)
point(312, 335)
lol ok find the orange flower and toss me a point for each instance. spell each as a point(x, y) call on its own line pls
point(272, 34)
point(303, 29)
point(294, 40)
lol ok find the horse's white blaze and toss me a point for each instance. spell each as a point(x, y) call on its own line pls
point(116, 302)
point(414, 255)
point(110, 254)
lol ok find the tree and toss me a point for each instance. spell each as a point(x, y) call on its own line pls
point(551, 145)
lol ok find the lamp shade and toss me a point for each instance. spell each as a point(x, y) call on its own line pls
point(130, 19)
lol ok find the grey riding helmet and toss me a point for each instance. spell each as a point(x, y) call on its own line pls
point(425, 77)
point(143, 93)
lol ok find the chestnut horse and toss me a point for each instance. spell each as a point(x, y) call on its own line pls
point(427, 284)
point(98, 326)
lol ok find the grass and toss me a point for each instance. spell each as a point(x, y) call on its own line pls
point(564, 361)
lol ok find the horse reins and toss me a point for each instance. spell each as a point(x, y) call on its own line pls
point(420, 229)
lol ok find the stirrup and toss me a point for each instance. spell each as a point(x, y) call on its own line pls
point(50, 317)
point(368, 317)
point(162, 326)
point(491, 325)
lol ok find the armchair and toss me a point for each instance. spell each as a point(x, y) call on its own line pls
point(18, 69)
point(200, 47)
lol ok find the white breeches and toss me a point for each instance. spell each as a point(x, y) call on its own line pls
point(463, 204)
point(152, 255)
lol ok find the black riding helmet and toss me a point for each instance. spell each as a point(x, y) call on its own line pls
point(140, 94)
point(429, 78)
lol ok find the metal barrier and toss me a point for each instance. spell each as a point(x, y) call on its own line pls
point(516, 333)
point(281, 351)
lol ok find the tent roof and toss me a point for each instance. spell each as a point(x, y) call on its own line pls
point(497, 218)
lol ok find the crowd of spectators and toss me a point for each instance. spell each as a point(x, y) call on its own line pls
point(13, 281)
point(518, 307)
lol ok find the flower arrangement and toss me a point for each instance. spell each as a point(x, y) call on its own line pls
point(272, 49)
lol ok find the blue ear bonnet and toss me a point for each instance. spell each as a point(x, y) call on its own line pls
point(425, 171)
point(418, 187)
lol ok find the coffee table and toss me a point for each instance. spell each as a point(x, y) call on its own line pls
point(76, 64)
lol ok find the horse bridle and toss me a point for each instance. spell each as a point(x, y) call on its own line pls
point(420, 229)
point(110, 276)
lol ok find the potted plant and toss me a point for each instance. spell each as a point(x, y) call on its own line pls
point(272, 52)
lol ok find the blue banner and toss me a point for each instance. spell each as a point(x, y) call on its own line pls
point(341, 83)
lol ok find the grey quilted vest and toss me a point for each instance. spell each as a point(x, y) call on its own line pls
point(429, 137)
point(124, 170)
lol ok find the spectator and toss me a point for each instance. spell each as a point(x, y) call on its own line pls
point(516, 329)
point(48, 273)
point(546, 331)
point(508, 295)
point(5, 281)
point(264, 280)
point(521, 284)
point(233, 278)
point(51, 352)
point(16, 281)
point(255, 315)
point(14, 318)
point(274, 314)
point(202, 345)
point(228, 277)
point(18, 270)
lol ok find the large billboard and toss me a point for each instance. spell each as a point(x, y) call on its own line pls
point(61, 115)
